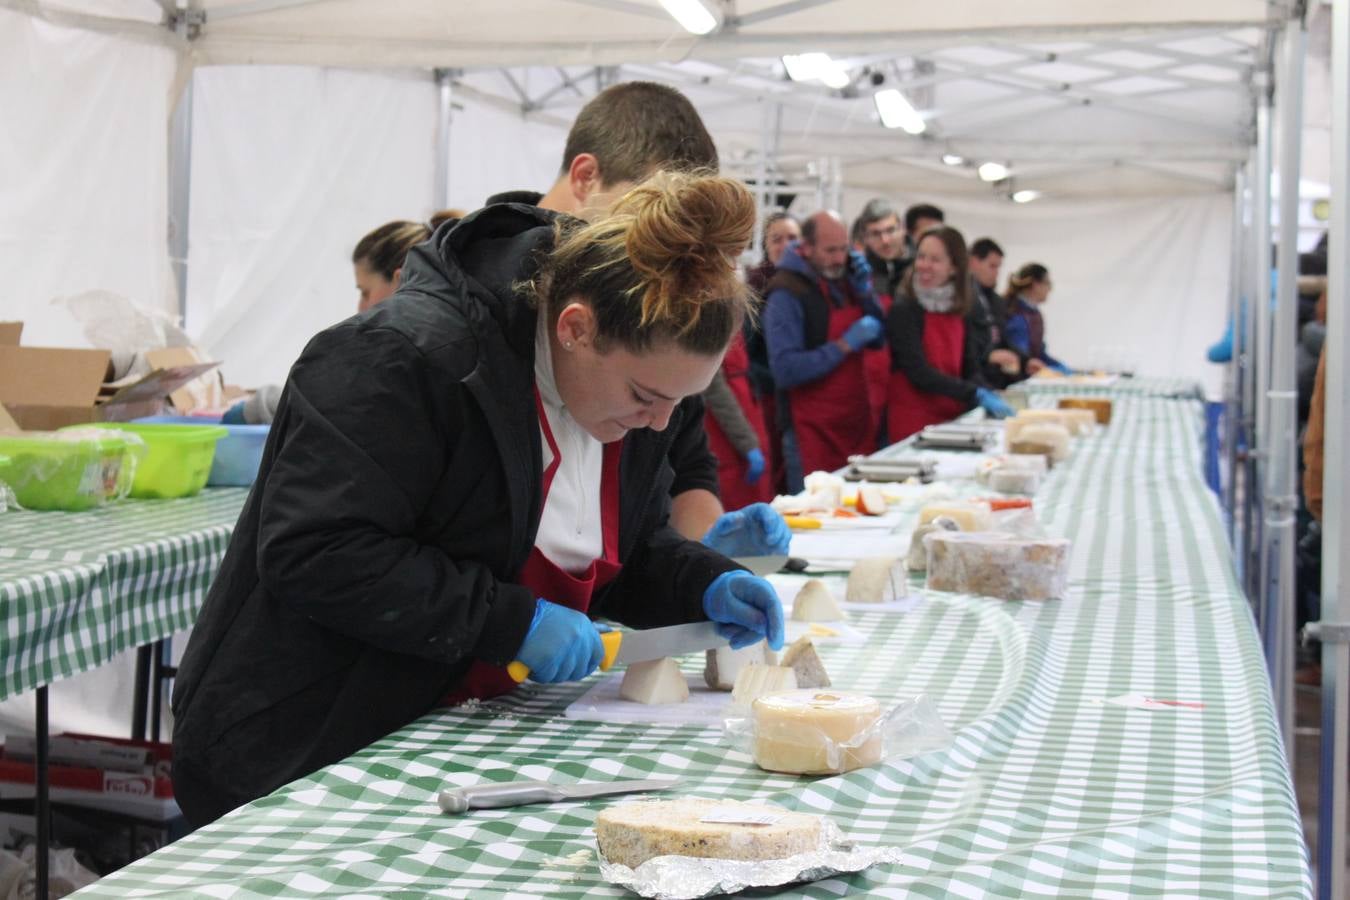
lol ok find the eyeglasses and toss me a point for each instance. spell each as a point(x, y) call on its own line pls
point(883, 232)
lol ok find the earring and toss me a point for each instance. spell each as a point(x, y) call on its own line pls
point(567, 345)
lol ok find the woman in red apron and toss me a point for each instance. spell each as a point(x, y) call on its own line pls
point(736, 431)
point(463, 477)
point(935, 366)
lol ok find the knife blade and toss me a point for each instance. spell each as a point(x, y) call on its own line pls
point(520, 793)
point(762, 565)
point(648, 643)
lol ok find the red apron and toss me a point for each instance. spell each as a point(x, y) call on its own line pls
point(831, 417)
point(877, 366)
point(944, 337)
point(549, 582)
point(731, 465)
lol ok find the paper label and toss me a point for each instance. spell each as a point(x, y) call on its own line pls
point(730, 815)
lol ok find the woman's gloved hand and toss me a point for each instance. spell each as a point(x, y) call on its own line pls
point(754, 465)
point(756, 530)
point(746, 609)
point(561, 645)
point(993, 404)
point(859, 274)
point(862, 332)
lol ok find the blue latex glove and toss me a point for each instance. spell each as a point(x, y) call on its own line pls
point(754, 465)
point(859, 274)
point(561, 645)
point(234, 415)
point(1222, 350)
point(1061, 368)
point(746, 608)
point(993, 404)
point(756, 530)
point(864, 331)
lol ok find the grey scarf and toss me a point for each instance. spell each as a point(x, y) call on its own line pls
point(938, 299)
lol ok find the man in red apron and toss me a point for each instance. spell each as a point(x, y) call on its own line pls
point(884, 244)
point(820, 314)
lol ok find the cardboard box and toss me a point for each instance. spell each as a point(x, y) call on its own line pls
point(46, 388)
point(9, 333)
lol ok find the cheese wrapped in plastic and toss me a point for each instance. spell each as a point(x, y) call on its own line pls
point(816, 731)
point(970, 515)
point(1100, 406)
point(1051, 440)
point(1015, 481)
point(998, 564)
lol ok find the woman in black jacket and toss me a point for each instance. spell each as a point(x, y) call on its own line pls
point(464, 475)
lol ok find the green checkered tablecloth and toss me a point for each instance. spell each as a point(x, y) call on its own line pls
point(1144, 386)
point(1046, 791)
point(78, 588)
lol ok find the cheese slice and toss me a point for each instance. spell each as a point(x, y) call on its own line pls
point(871, 500)
point(802, 659)
point(877, 579)
point(815, 603)
point(723, 665)
point(757, 680)
point(654, 681)
point(970, 515)
point(632, 833)
point(816, 732)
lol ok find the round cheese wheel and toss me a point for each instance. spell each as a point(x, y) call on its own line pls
point(816, 732)
point(632, 833)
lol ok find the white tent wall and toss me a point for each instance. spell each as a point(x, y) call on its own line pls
point(1138, 284)
point(291, 166)
point(83, 172)
point(494, 150)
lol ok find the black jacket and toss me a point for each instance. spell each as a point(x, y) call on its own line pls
point(886, 275)
point(988, 317)
point(691, 459)
point(904, 331)
point(398, 496)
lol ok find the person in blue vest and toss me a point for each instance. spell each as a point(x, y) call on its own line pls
point(1028, 289)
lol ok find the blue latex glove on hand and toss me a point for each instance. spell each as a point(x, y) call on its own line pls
point(1061, 368)
point(746, 609)
point(864, 331)
point(234, 415)
point(561, 645)
point(754, 465)
point(756, 530)
point(859, 274)
point(993, 404)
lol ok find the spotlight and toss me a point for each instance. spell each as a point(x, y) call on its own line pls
point(896, 111)
point(992, 171)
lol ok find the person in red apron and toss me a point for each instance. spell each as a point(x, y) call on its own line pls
point(937, 373)
point(736, 432)
point(465, 476)
point(819, 315)
point(883, 240)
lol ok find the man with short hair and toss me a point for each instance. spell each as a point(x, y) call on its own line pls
point(878, 225)
point(820, 313)
point(1003, 365)
point(919, 218)
point(622, 136)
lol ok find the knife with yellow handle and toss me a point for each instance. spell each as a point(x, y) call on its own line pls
point(649, 643)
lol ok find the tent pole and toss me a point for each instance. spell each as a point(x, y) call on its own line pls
point(766, 142)
point(1247, 340)
point(1335, 630)
point(444, 94)
point(1281, 500)
point(1260, 442)
point(180, 192)
point(1233, 407)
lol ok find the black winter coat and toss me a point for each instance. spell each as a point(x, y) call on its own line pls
point(398, 496)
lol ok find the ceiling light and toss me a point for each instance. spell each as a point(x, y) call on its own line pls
point(1025, 196)
point(816, 67)
point(694, 16)
point(896, 111)
point(992, 171)
point(952, 159)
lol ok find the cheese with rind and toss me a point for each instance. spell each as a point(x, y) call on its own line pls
point(816, 732)
point(654, 681)
point(1100, 406)
point(876, 579)
point(722, 665)
point(815, 603)
point(971, 515)
point(805, 663)
point(632, 833)
point(997, 564)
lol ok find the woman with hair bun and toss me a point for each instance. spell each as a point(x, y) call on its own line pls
point(1028, 289)
point(463, 477)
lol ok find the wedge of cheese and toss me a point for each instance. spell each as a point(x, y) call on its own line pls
point(654, 681)
point(970, 515)
point(917, 558)
point(877, 579)
point(757, 680)
point(805, 663)
point(632, 833)
point(723, 665)
point(816, 732)
point(815, 603)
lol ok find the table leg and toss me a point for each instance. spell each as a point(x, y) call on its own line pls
point(157, 677)
point(42, 809)
point(141, 693)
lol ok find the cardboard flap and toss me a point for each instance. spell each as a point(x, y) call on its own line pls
point(50, 377)
point(9, 333)
point(159, 384)
point(7, 422)
point(204, 392)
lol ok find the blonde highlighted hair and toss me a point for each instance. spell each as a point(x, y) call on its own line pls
point(660, 268)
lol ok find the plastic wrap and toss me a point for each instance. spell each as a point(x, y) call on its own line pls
point(73, 469)
point(1041, 437)
point(1014, 481)
point(998, 564)
point(823, 731)
point(685, 877)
